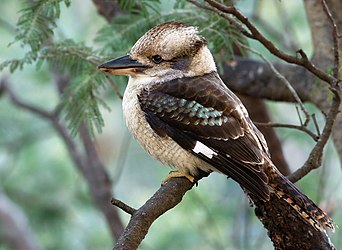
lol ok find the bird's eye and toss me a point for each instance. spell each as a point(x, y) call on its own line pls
point(157, 59)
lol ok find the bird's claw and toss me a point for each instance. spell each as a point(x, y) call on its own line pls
point(176, 174)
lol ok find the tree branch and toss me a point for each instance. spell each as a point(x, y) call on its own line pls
point(167, 197)
point(291, 126)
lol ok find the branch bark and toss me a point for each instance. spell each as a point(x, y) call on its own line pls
point(167, 197)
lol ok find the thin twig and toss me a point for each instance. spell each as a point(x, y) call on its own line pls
point(123, 206)
point(116, 90)
point(313, 116)
point(300, 118)
point(281, 125)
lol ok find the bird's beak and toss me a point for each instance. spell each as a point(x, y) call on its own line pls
point(123, 65)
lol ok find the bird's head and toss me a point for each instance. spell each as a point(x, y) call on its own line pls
point(169, 50)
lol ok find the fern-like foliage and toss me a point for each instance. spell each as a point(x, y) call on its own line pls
point(34, 27)
point(37, 21)
point(81, 101)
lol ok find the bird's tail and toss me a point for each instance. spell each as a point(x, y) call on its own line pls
point(307, 209)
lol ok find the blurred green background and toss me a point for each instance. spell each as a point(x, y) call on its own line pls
point(36, 172)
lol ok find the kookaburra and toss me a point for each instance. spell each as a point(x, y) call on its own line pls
point(182, 114)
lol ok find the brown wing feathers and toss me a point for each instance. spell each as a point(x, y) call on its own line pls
point(205, 113)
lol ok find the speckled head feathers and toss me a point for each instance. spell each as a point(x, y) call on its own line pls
point(170, 40)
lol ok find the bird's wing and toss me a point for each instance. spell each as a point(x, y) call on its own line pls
point(207, 119)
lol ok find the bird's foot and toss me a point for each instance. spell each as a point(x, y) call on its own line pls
point(176, 174)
